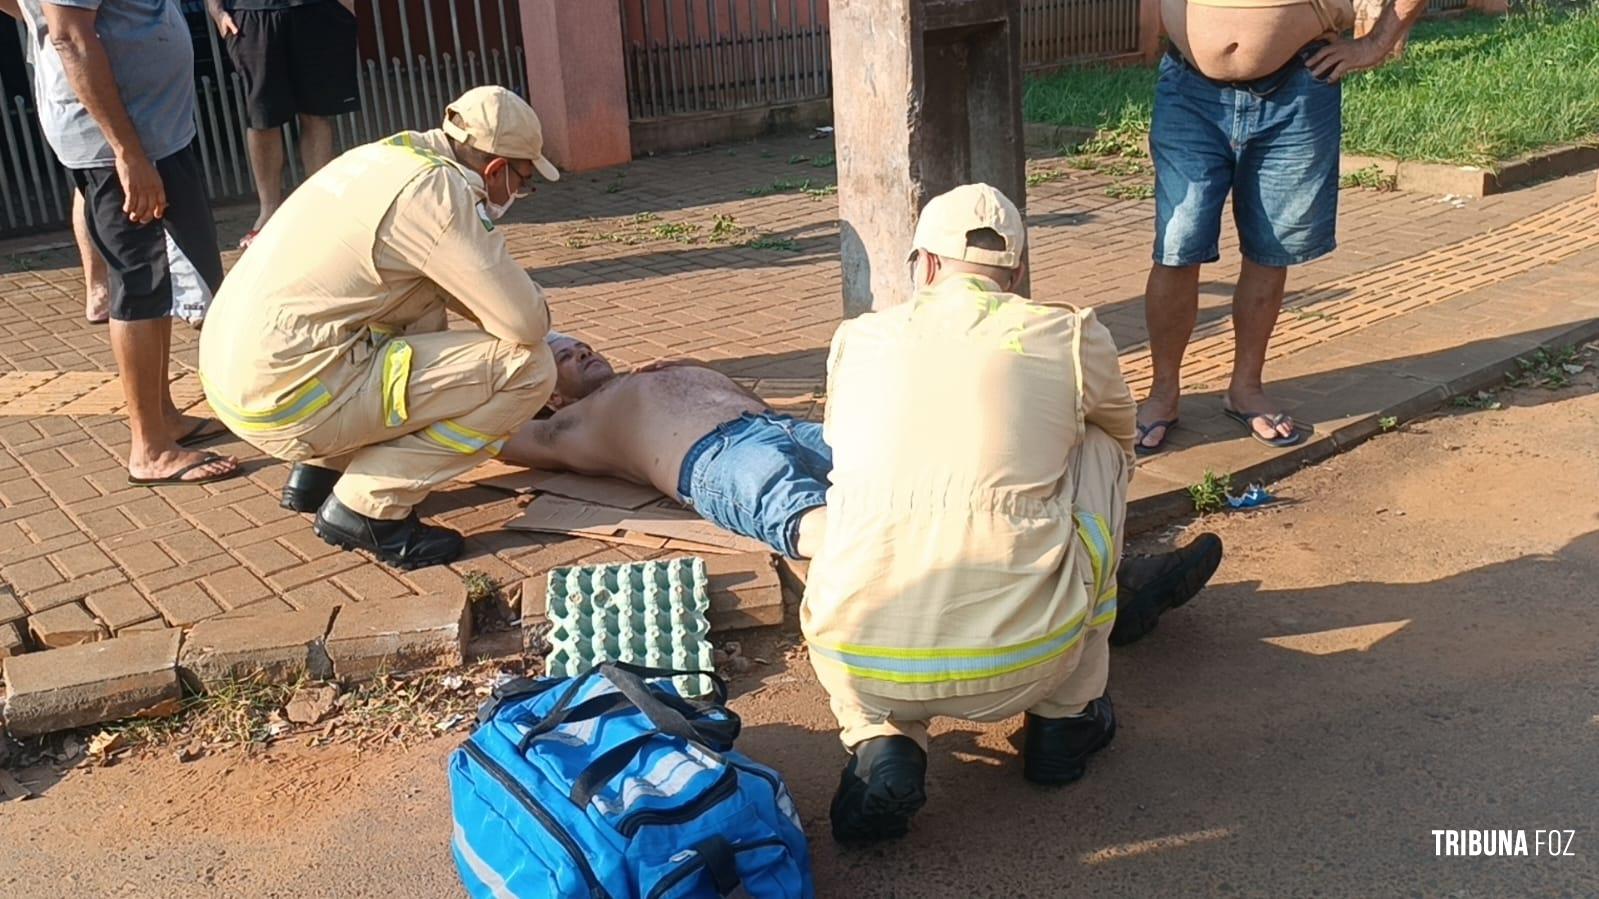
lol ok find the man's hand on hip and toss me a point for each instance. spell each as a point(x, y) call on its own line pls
point(225, 24)
point(1344, 57)
point(141, 183)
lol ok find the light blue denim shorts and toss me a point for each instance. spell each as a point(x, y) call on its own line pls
point(1271, 143)
point(757, 475)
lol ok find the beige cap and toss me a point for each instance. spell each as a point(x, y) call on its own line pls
point(494, 120)
point(950, 216)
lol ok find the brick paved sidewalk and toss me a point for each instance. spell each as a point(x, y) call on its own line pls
point(731, 255)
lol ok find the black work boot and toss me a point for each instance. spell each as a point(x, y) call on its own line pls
point(881, 788)
point(1055, 751)
point(1146, 587)
point(308, 487)
point(406, 543)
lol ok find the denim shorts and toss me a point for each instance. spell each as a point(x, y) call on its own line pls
point(757, 476)
point(1271, 143)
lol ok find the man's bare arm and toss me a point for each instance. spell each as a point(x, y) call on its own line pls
point(538, 444)
point(11, 8)
point(223, 19)
point(88, 70)
point(1343, 57)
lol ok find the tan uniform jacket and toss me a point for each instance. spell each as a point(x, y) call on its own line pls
point(950, 565)
point(379, 242)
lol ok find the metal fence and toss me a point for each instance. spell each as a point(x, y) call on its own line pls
point(1058, 32)
point(685, 57)
point(691, 56)
point(413, 57)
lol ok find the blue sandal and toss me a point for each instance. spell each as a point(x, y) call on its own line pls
point(1143, 449)
point(1274, 421)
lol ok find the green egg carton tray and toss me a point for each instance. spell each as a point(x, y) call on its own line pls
point(647, 613)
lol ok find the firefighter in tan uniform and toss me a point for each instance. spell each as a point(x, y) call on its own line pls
point(327, 345)
point(982, 447)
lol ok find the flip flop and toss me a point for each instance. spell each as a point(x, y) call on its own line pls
point(177, 477)
point(200, 432)
point(1141, 448)
point(1301, 432)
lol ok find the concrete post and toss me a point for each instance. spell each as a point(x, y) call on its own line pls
point(576, 81)
point(929, 97)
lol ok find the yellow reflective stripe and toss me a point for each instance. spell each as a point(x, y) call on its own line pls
point(943, 666)
point(396, 377)
point(304, 402)
point(891, 652)
point(406, 142)
point(454, 436)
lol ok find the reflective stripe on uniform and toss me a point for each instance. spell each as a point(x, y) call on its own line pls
point(1095, 533)
point(396, 378)
point(924, 666)
point(302, 404)
point(459, 438)
point(405, 142)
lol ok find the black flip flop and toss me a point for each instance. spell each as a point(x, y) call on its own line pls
point(1143, 449)
point(177, 477)
point(1301, 432)
point(199, 433)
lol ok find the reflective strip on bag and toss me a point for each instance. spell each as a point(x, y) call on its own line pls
point(302, 404)
point(396, 378)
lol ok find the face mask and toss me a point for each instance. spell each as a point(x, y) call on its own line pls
point(497, 211)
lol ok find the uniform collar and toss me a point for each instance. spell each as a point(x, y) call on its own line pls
point(437, 143)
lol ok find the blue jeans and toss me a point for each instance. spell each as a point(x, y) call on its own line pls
point(757, 475)
point(1271, 143)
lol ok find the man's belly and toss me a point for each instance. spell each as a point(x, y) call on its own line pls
point(1230, 44)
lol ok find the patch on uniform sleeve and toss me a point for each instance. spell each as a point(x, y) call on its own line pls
point(483, 216)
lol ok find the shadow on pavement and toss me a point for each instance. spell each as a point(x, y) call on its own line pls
point(1325, 757)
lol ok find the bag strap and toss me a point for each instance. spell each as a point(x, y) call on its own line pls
point(512, 690)
point(629, 680)
point(717, 853)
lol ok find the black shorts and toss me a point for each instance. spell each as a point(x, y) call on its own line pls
point(136, 255)
point(296, 60)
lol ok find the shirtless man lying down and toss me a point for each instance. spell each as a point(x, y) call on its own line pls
point(695, 435)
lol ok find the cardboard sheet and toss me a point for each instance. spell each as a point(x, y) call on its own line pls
point(660, 525)
point(605, 491)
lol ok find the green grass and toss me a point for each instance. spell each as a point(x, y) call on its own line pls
point(1468, 90)
point(1210, 494)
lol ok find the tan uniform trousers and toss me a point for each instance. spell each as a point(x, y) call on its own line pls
point(466, 391)
point(1099, 485)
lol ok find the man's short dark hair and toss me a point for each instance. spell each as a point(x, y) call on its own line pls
point(985, 239)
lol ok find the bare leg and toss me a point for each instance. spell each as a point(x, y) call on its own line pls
point(141, 351)
point(1171, 305)
point(266, 162)
point(1256, 303)
point(96, 292)
point(812, 530)
point(316, 142)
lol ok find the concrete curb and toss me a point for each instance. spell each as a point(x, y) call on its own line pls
point(102, 681)
point(1167, 506)
point(1473, 182)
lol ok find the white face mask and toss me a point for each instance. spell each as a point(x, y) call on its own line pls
point(497, 211)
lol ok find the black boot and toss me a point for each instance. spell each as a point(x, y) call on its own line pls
point(1055, 751)
point(881, 788)
point(406, 543)
point(308, 487)
point(1148, 586)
